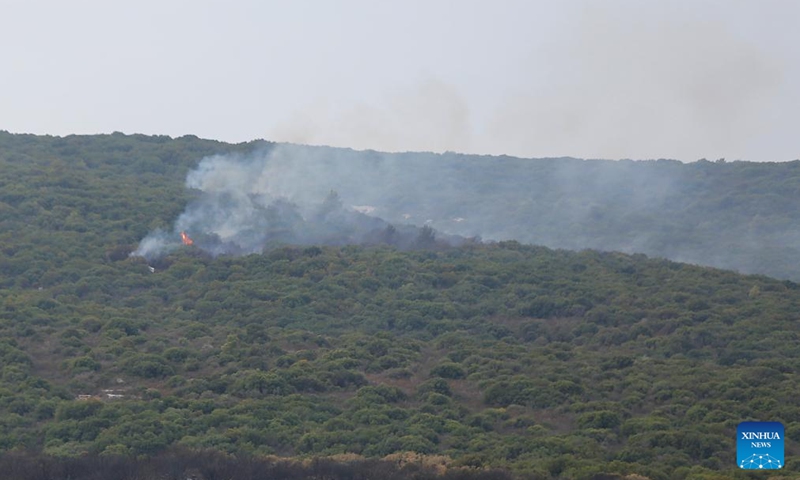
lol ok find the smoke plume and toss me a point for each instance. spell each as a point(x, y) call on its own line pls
point(281, 195)
point(723, 214)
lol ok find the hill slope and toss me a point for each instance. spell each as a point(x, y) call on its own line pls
point(741, 216)
point(544, 361)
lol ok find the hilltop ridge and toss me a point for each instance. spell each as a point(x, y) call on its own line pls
point(734, 215)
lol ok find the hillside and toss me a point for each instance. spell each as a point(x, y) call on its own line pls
point(738, 215)
point(546, 362)
point(734, 215)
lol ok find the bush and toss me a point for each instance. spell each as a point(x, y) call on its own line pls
point(448, 370)
point(148, 366)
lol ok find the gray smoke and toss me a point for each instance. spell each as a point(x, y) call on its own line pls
point(713, 213)
point(285, 195)
point(294, 194)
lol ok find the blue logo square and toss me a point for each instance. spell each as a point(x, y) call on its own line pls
point(759, 445)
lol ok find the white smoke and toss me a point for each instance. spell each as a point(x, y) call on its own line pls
point(281, 195)
point(156, 244)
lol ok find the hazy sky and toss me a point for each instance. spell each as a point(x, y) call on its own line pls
point(636, 79)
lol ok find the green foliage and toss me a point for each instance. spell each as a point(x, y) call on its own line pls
point(601, 419)
point(544, 362)
point(85, 364)
point(518, 391)
point(147, 366)
point(449, 370)
point(78, 410)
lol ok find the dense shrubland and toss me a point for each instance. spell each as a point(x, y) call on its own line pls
point(544, 362)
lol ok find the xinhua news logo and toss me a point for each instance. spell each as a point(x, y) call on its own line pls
point(759, 445)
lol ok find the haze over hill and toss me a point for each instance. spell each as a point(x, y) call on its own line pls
point(735, 215)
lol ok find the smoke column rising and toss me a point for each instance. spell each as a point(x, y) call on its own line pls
point(282, 195)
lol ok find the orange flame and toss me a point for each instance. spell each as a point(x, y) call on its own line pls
point(185, 239)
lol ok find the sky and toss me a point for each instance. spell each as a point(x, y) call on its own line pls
point(639, 79)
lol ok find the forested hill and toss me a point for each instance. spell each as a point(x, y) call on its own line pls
point(550, 363)
point(736, 215)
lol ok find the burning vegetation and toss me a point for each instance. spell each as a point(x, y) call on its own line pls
point(186, 239)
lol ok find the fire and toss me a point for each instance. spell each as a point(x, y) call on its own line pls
point(185, 238)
